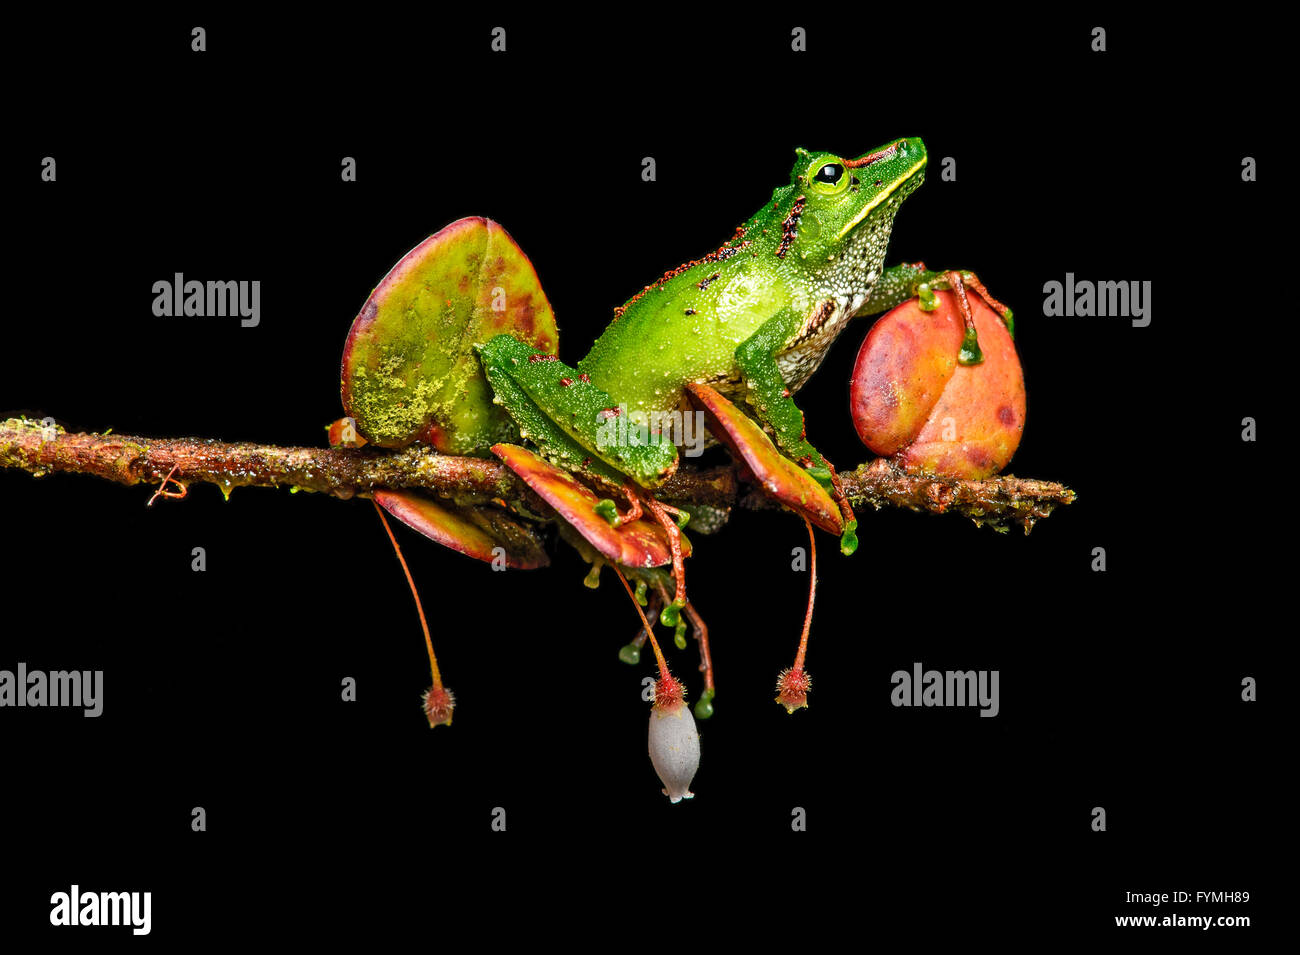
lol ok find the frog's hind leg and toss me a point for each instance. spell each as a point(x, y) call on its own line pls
point(914, 280)
point(570, 419)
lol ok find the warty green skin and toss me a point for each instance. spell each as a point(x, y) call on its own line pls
point(677, 332)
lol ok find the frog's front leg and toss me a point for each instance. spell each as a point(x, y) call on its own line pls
point(914, 280)
point(770, 398)
point(794, 485)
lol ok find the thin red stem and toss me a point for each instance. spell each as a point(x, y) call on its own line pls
point(654, 644)
point(812, 591)
point(701, 631)
point(428, 641)
point(701, 634)
point(162, 488)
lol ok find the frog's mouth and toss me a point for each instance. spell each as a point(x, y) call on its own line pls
point(905, 187)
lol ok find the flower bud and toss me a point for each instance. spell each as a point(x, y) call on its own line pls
point(674, 743)
point(438, 704)
point(792, 688)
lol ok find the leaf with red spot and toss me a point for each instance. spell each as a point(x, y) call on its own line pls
point(474, 531)
point(409, 368)
point(639, 543)
point(781, 478)
point(911, 399)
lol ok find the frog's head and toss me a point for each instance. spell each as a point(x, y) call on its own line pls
point(851, 202)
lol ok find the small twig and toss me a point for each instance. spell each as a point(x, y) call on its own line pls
point(344, 472)
point(162, 488)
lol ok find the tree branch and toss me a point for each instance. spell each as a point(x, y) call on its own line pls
point(27, 445)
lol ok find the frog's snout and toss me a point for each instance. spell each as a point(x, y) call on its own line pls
point(912, 148)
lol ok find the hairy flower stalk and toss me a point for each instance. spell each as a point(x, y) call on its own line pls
point(793, 685)
point(438, 700)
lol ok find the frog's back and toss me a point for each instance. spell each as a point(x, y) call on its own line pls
point(685, 327)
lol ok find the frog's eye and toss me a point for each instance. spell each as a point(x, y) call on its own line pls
point(828, 176)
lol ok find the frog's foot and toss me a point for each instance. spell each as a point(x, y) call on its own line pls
point(781, 479)
point(849, 534)
point(958, 282)
point(913, 280)
point(1008, 318)
point(634, 543)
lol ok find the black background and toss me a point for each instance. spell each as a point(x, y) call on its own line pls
point(1118, 689)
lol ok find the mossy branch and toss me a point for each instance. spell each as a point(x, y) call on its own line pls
point(28, 445)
